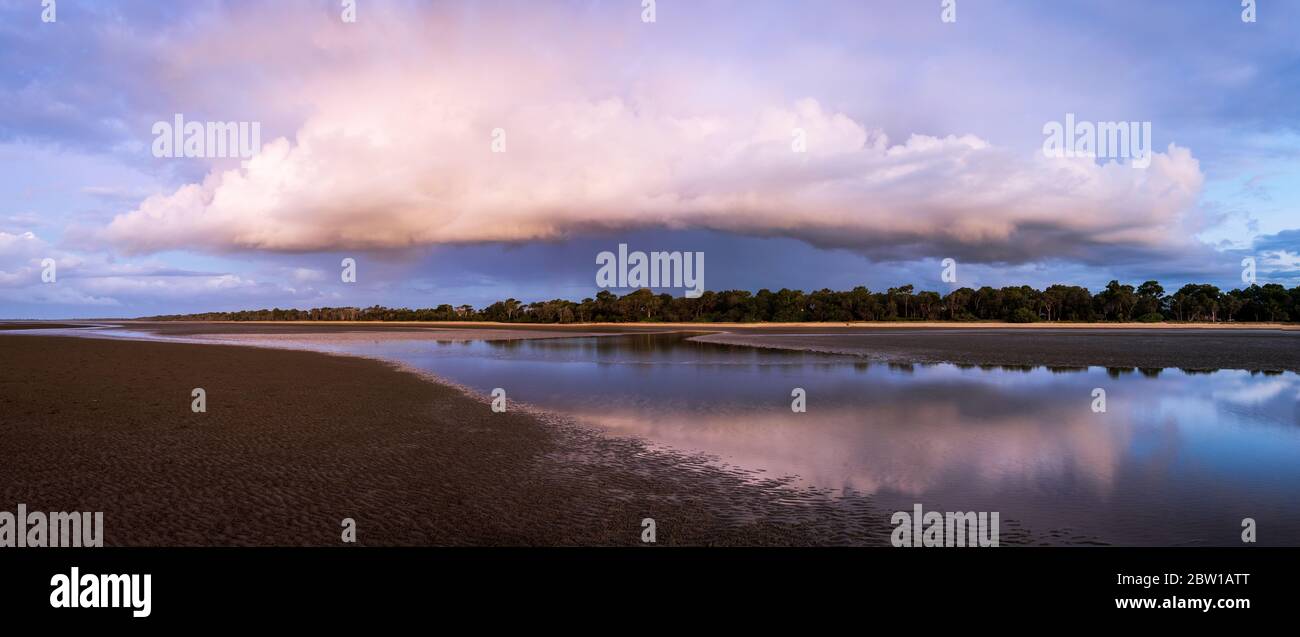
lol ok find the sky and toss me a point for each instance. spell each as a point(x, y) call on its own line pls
point(466, 152)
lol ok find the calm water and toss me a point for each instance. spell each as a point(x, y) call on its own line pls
point(1177, 458)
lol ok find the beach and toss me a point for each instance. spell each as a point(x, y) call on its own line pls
point(1193, 348)
point(294, 442)
point(1264, 347)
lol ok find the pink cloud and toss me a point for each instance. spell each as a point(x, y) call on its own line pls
point(396, 152)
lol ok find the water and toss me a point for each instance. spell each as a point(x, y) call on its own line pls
point(1177, 458)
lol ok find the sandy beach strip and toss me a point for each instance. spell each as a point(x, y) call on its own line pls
point(190, 327)
point(438, 329)
point(1193, 346)
point(293, 442)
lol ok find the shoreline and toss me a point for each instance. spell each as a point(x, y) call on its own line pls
point(639, 327)
point(1258, 351)
point(294, 441)
point(1274, 348)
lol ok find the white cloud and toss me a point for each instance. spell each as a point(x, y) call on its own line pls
point(306, 275)
point(98, 280)
point(1283, 260)
point(20, 257)
point(382, 175)
point(396, 153)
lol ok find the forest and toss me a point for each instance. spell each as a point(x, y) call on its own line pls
point(1147, 302)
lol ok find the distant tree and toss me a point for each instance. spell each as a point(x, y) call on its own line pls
point(1115, 302)
point(1150, 299)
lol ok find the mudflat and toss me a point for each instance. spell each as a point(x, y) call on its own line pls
point(35, 325)
point(294, 442)
point(1265, 347)
point(1185, 348)
point(434, 329)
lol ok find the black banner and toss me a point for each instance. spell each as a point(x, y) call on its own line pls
point(235, 586)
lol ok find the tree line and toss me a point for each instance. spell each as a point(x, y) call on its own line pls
point(1147, 302)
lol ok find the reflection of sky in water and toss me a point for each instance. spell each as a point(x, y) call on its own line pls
point(1178, 457)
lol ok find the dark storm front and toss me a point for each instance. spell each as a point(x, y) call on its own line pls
point(1175, 458)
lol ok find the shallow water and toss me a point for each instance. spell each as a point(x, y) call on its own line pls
point(1177, 458)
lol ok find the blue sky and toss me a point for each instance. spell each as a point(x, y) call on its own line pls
point(923, 141)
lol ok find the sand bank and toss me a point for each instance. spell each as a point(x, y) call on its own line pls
point(293, 442)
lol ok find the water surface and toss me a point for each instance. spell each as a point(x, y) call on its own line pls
point(1177, 458)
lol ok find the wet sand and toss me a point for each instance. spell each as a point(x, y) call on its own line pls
point(1187, 346)
point(434, 329)
point(293, 442)
point(1188, 349)
point(35, 325)
point(194, 327)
